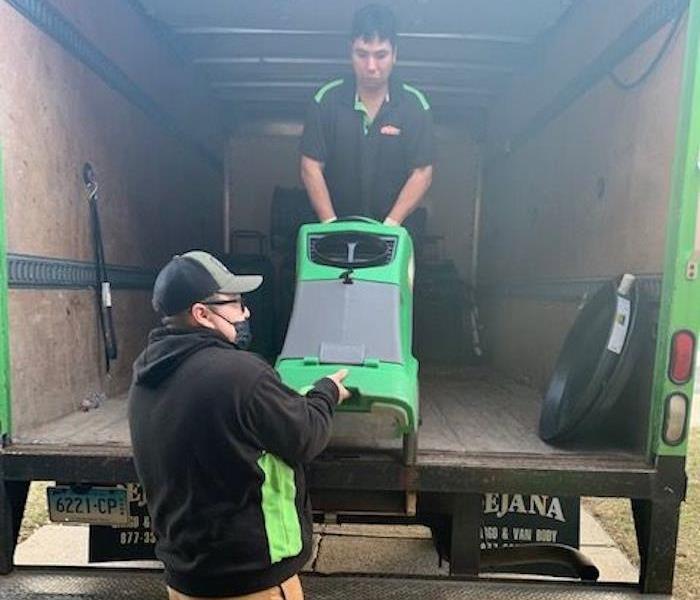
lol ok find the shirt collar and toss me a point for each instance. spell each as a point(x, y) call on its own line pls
point(350, 96)
point(359, 102)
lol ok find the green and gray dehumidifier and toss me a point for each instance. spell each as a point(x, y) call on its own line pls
point(353, 309)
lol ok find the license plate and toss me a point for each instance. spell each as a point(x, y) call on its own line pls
point(98, 505)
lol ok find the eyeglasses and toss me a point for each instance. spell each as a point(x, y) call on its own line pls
point(238, 300)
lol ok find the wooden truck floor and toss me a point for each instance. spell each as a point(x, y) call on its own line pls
point(467, 415)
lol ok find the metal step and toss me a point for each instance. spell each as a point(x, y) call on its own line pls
point(127, 584)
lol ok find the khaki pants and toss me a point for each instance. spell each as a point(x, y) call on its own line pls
point(287, 590)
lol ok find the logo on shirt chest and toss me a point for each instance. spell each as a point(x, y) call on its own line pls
point(390, 130)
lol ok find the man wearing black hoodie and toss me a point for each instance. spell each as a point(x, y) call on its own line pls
point(220, 442)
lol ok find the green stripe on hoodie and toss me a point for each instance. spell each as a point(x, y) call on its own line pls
point(279, 508)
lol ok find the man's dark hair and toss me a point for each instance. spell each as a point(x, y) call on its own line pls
point(374, 21)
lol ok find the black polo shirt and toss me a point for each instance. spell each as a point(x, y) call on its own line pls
point(367, 164)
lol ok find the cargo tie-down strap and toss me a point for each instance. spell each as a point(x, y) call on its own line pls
point(103, 291)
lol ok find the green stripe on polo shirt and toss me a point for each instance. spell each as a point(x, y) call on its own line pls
point(418, 94)
point(329, 86)
point(361, 108)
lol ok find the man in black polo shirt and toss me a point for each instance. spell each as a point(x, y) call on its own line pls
point(367, 146)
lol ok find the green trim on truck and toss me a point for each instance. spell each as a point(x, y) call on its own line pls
point(279, 493)
point(4, 322)
point(680, 296)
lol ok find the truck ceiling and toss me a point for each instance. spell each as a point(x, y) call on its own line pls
point(271, 55)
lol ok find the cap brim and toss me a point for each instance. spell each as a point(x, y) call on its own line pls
point(241, 284)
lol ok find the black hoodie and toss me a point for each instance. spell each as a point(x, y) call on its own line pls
point(219, 445)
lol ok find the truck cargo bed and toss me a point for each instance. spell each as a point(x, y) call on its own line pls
point(464, 412)
point(478, 434)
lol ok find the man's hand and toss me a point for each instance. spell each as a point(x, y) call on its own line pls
point(337, 378)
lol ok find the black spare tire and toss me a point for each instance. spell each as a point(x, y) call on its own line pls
point(595, 363)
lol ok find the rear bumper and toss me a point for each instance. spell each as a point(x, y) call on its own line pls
point(578, 475)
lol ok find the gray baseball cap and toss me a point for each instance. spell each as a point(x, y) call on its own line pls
point(194, 276)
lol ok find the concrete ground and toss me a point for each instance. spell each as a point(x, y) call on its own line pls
point(396, 550)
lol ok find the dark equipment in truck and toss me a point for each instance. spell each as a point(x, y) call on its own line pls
point(595, 363)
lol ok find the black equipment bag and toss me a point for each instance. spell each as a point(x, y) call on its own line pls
point(440, 310)
point(290, 209)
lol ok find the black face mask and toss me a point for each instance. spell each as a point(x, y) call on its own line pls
point(244, 336)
